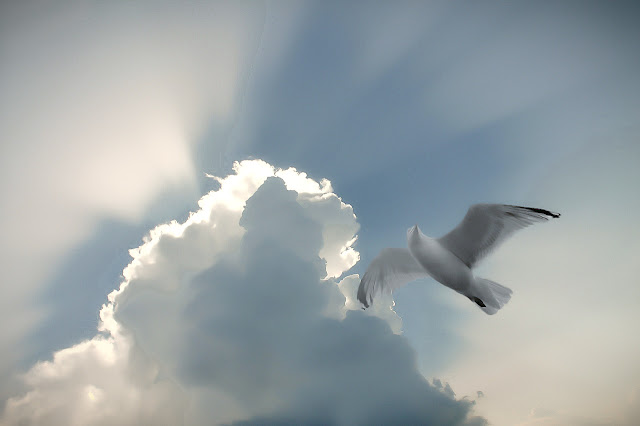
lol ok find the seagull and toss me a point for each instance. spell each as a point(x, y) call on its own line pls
point(450, 259)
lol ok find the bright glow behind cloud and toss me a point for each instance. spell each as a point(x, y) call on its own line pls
point(103, 105)
point(230, 316)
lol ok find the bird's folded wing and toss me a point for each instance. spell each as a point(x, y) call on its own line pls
point(392, 268)
point(486, 226)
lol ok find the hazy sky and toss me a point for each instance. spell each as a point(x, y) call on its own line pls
point(113, 114)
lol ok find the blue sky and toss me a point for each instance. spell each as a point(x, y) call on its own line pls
point(114, 113)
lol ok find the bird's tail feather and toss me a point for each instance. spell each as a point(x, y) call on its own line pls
point(494, 295)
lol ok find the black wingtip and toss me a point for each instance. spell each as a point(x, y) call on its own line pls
point(479, 302)
point(541, 211)
point(362, 296)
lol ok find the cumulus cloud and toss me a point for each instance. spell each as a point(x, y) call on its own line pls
point(240, 315)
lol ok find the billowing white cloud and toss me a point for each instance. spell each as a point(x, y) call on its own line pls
point(238, 315)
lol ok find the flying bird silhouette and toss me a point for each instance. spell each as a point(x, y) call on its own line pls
point(451, 258)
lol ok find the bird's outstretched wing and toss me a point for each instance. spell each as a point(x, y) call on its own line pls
point(486, 226)
point(392, 268)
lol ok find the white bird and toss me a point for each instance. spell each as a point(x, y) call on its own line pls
point(451, 258)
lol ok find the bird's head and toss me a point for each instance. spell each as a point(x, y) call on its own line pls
point(413, 231)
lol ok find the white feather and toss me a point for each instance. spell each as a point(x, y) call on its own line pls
point(392, 268)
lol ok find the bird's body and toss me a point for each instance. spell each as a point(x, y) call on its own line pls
point(451, 258)
point(442, 265)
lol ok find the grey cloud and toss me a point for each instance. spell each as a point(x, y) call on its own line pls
point(258, 333)
point(230, 318)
